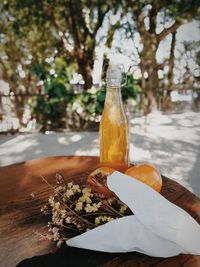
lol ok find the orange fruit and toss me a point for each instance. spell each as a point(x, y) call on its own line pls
point(147, 174)
point(97, 181)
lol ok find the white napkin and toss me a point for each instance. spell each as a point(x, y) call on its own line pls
point(157, 228)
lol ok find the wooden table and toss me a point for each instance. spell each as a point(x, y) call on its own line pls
point(21, 219)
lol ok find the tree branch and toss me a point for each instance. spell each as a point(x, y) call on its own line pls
point(73, 24)
point(57, 27)
point(152, 19)
point(5, 75)
point(166, 31)
point(101, 15)
point(79, 9)
point(140, 21)
point(171, 62)
point(132, 31)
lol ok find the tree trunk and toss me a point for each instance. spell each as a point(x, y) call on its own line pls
point(85, 68)
point(150, 40)
point(167, 101)
point(148, 66)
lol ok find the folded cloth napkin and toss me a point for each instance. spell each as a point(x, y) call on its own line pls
point(158, 227)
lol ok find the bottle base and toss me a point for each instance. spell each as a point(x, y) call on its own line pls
point(121, 167)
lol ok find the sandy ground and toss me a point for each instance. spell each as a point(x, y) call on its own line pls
point(171, 142)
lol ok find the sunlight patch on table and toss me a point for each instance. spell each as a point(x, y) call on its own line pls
point(76, 138)
point(87, 152)
point(62, 140)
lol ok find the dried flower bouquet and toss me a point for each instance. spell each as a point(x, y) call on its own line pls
point(75, 209)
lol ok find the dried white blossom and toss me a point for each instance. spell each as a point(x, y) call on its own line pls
point(51, 201)
point(68, 194)
point(68, 219)
point(59, 178)
point(103, 219)
point(110, 200)
point(76, 189)
point(85, 199)
point(79, 206)
point(59, 189)
point(92, 208)
point(32, 194)
point(44, 209)
point(63, 213)
point(59, 243)
point(57, 206)
point(123, 209)
point(69, 185)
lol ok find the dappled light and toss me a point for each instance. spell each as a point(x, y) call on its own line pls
point(75, 138)
point(52, 74)
point(168, 141)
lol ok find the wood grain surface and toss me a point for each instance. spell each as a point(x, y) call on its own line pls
point(22, 193)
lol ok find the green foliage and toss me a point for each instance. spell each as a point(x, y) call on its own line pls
point(92, 104)
point(59, 108)
point(100, 99)
point(39, 70)
point(50, 109)
point(130, 89)
point(184, 9)
point(81, 113)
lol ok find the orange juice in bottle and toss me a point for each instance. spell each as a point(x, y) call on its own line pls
point(114, 128)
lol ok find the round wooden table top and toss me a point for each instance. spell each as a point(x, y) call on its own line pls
point(22, 193)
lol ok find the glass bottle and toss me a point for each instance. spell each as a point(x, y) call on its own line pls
point(114, 128)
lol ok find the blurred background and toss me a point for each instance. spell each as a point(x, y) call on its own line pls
point(53, 58)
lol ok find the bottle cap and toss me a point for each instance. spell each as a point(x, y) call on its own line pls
point(114, 75)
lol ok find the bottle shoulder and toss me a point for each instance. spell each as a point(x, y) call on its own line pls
point(114, 113)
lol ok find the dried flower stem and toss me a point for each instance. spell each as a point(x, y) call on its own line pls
point(71, 228)
point(76, 214)
point(112, 209)
point(97, 213)
point(66, 206)
point(53, 187)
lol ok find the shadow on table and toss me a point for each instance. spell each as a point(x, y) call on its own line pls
point(194, 174)
point(69, 257)
point(74, 257)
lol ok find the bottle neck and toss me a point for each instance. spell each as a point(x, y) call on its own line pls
point(113, 95)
